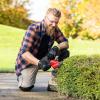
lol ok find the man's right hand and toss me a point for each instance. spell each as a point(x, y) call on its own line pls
point(44, 64)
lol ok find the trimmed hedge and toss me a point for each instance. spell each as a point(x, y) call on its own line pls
point(79, 77)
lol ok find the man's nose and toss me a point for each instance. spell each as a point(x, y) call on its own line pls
point(53, 24)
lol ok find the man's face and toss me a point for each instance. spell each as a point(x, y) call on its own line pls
point(51, 22)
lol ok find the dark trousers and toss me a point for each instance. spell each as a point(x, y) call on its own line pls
point(63, 54)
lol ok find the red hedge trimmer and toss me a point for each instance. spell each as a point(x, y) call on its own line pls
point(55, 64)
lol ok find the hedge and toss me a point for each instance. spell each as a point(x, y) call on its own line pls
point(79, 77)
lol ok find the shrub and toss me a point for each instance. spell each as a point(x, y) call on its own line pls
point(79, 77)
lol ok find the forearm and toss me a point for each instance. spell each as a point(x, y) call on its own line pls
point(63, 45)
point(30, 58)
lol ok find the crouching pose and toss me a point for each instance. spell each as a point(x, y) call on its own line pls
point(36, 51)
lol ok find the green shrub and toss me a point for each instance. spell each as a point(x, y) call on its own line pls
point(79, 77)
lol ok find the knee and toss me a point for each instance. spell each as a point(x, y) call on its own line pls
point(64, 53)
point(26, 89)
point(67, 53)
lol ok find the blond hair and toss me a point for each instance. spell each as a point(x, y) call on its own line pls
point(54, 11)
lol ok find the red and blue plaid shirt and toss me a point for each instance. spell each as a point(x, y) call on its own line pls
point(31, 42)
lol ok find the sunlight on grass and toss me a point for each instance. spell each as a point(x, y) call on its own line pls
point(79, 47)
point(10, 41)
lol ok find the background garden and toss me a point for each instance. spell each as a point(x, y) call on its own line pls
point(80, 23)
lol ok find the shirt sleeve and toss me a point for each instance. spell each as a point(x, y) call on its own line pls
point(28, 39)
point(59, 37)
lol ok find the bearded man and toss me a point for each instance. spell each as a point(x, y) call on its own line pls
point(37, 49)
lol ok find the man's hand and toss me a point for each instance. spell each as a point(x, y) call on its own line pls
point(44, 64)
point(53, 53)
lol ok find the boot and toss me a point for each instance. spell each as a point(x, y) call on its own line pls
point(52, 84)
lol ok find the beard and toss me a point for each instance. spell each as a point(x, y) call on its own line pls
point(50, 30)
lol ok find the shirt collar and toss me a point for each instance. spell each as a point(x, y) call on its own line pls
point(43, 26)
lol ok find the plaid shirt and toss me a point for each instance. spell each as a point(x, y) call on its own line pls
point(31, 43)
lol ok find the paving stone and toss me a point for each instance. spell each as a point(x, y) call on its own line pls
point(10, 91)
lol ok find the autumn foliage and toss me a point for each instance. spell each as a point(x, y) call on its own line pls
point(80, 18)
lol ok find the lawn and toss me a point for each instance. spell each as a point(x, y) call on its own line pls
point(10, 41)
point(87, 47)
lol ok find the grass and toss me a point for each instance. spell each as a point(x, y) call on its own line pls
point(87, 47)
point(10, 41)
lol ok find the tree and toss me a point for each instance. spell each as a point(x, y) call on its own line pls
point(80, 18)
point(71, 20)
point(17, 3)
point(14, 13)
point(4, 4)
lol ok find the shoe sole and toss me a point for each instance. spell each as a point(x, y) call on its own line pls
point(52, 88)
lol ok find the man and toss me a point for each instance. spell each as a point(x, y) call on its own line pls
point(37, 51)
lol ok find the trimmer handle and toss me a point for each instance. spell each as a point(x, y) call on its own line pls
point(54, 64)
